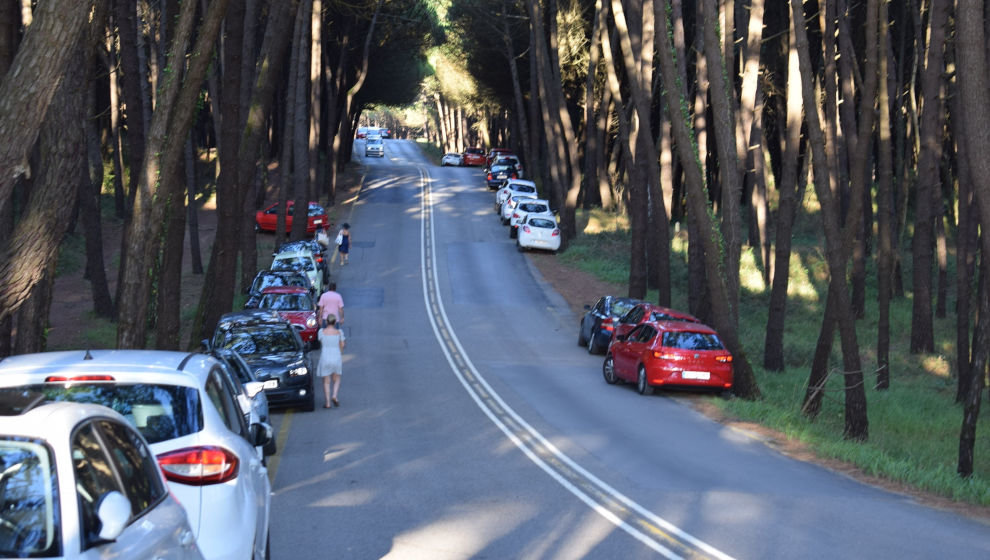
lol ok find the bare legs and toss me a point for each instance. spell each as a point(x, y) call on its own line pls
point(336, 387)
point(326, 391)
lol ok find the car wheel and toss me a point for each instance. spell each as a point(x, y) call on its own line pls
point(593, 346)
point(608, 370)
point(310, 404)
point(519, 246)
point(642, 387)
point(503, 220)
point(582, 341)
point(512, 232)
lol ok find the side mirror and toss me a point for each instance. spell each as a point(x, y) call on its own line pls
point(252, 388)
point(260, 433)
point(113, 512)
point(587, 308)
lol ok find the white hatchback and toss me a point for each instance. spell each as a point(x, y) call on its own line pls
point(183, 405)
point(452, 158)
point(510, 203)
point(538, 232)
point(526, 208)
point(76, 481)
point(511, 187)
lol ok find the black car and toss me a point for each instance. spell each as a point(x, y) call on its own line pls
point(273, 279)
point(500, 173)
point(313, 246)
point(274, 350)
point(599, 321)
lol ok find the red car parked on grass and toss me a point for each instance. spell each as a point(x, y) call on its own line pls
point(295, 305)
point(646, 312)
point(669, 353)
point(267, 219)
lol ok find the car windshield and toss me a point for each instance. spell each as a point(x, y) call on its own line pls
point(292, 263)
point(286, 302)
point(277, 280)
point(374, 141)
point(523, 189)
point(621, 307)
point(28, 499)
point(503, 167)
point(687, 340)
point(160, 412)
point(258, 339)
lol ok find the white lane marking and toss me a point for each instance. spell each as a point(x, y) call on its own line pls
point(446, 337)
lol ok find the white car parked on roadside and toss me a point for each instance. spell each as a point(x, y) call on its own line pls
point(525, 208)
point(183, 405)
point(511, 187)
point(538, 232)
point(453, 158)
point(77, 481)
point(301, 261)
point(510, 203)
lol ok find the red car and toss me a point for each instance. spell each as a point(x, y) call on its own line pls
point(265, 220)
point(295, 305)
point(669, 353)
point(646, 312)
point(474, 157)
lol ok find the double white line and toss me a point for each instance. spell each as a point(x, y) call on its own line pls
point(649, 529)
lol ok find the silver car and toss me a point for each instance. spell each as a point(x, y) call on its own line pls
point(77, 481)
point(184, 406)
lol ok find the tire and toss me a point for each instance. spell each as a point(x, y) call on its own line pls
point(582, 341)
point(608, 370)
point(642, 387)
point(519, 246)
point(310, 404)
point(512, 232)
point(593, 346)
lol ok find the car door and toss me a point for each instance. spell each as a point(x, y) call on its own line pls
point(622, 357)
point(109, 456)
point(258, 487)
point(629, 320)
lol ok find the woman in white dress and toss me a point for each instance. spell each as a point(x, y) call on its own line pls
point(331, 359)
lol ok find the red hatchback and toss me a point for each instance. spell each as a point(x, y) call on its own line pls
point(266, 220)
point(474, 157)
point(646, 312)
point(669, 353)
point(295, 305)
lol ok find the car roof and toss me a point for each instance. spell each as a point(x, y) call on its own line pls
point(128, 366)
point(251, 316)
point(525, 182)
point(538, 201)
point(651, 307)
point(294, 253)
point(681, 326)
point(46, 419)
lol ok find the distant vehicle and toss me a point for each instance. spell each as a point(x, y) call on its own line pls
point(385, 132)
point(362, 132)
point(474, 157)
point(374, 146)
point(314, 247)
point(452, 158)
point(598, 322)
point(267, 219)
point(493, 153)
point(301, 261)
point(78, 481)
point(538, 232)
point(505, 213)
point(275, 352)
point(513, 159)
point(669, 353)
point(511, 187)
point(183, 405)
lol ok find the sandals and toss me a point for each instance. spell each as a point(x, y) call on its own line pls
point(335, 402)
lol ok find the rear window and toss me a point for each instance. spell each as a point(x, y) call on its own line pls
point(686, 340)
point(534, 208)
point(316, 210)
point(286, 302)
point(160, 412)
point(542, 223)
point(28, 500)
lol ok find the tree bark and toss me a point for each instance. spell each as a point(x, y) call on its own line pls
point(885, 209)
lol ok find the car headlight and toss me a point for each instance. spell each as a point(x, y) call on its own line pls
point(297, 369)
point(311, 322)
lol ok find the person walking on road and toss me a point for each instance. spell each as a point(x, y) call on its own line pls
point(344, 242)
point(330, 303)
point(331, 362)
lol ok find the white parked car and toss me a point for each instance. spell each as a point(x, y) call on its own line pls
point(249, 392)
point(511, 159)
point(526, 207)
point(77, 481)
point(538, 232)
point(185, 408)
point(511, 187)
point(452, 158)
point(510, 203)
point(301, 261)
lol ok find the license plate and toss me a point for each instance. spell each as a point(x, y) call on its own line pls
point(502, 175)
point(271, 384)
point(702, 375)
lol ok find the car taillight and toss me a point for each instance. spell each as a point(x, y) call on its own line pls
point(526, 229)
point(490, 177)
point(667, 356)
point(65, 379)
point(607, 324)
point(199, 466)
point(514, 176)
point(723, 359)
point(555, 233)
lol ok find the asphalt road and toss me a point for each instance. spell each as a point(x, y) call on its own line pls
point(472, 426)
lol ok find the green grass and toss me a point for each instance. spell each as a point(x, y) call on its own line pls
point(914, 426)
